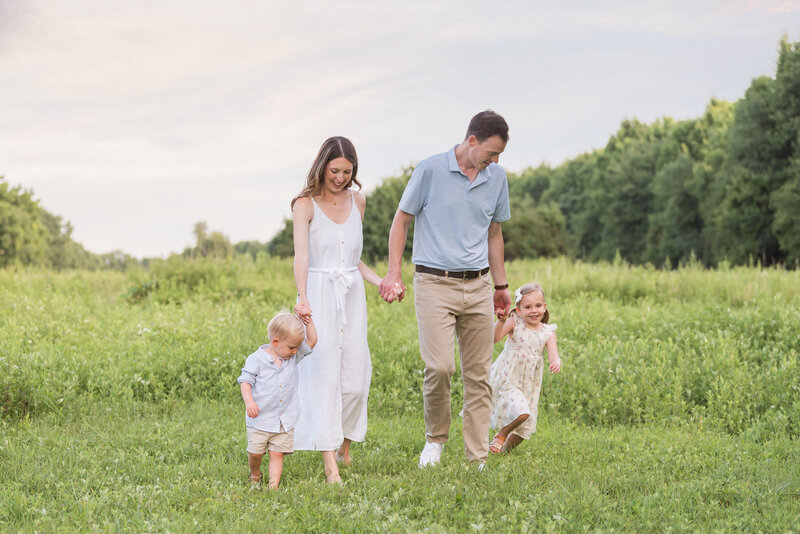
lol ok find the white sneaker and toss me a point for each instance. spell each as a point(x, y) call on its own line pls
point(431, 454)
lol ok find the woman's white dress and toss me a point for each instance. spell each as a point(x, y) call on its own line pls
point(516, 377)
point(334, 379)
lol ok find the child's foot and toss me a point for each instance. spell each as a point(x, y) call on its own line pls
point(496, 446)
point(255, 480)
point(332, 477)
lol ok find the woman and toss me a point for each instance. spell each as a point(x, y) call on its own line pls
point(329, 273)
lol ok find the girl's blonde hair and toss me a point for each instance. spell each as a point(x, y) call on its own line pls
point(332, 148)
point(524, 290)
point(286, 327)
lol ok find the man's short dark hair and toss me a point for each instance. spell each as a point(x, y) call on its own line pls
point(487, 124)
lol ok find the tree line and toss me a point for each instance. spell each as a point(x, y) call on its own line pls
point(724, 187)
point(31, 235)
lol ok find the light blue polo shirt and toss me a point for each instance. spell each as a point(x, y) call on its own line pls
point(452, 215)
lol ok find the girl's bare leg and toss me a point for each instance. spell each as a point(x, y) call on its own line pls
point(506, 430)
point(343, 454)
point(275, 468)
point(512, 441)
point(499, 442)
point(331, 469)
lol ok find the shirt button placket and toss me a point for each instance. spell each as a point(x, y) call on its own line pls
point(341, 246)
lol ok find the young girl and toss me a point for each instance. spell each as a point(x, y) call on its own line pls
point(516, 376)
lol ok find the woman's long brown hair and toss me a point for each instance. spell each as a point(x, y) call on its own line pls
point(332, 148)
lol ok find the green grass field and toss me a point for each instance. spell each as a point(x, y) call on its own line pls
point(678, 408)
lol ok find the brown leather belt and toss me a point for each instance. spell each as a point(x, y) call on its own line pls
point(464, 275)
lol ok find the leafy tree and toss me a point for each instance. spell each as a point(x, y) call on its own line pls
point(675, 230)
point(571, 190)
point(744, 218)
point(30, 235)
point(381, 206)
point(532, 183)
point(534, 231)
point(706, 184)
point(213, 245)
point(250, 248)
point(283, 242)
point(23, 237)
point(623, 193)
point(785, 200)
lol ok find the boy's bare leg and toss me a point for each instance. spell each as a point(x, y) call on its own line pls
point(331, 469)
point(254, 461)
point(343, 454)
point(275, 468)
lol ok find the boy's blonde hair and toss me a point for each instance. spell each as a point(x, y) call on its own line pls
point(524, 290)
point(285, 326)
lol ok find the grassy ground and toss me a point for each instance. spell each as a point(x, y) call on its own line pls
point(678, 408)
point(181, 466)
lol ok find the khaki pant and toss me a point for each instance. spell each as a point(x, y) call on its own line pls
point(448, 308)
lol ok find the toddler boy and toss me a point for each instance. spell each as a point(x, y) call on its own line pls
point(269, 390)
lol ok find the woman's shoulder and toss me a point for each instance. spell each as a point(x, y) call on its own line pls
point(303, 205)
point(303, 201)
point(359, 197)
point(360, 200)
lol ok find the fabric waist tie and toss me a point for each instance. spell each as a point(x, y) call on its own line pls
point(342, 279)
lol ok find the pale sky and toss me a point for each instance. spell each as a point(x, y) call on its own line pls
point(135, 120)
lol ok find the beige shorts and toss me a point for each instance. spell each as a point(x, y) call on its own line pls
point(258, 440)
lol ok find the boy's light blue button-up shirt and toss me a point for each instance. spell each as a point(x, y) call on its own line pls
point(452, 215)
point(274, 389)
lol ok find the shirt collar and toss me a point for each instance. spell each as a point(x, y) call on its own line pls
point(483, 175)
point(269, 358)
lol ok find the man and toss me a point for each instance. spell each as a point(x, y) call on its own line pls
point(458, 198)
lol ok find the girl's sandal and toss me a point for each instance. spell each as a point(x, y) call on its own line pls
point(496, 446)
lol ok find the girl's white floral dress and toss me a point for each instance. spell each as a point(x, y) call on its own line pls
point(516, 377)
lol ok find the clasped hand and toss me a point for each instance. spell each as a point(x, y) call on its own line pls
point(303, 309)
point(392, 288)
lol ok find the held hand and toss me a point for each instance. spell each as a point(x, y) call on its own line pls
point(303, 309)
point(502, 315)
point(396, 291)
point(252, 409)
point(555, 365)
point(400, 291)
point(502, 302)
point(387, 287)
